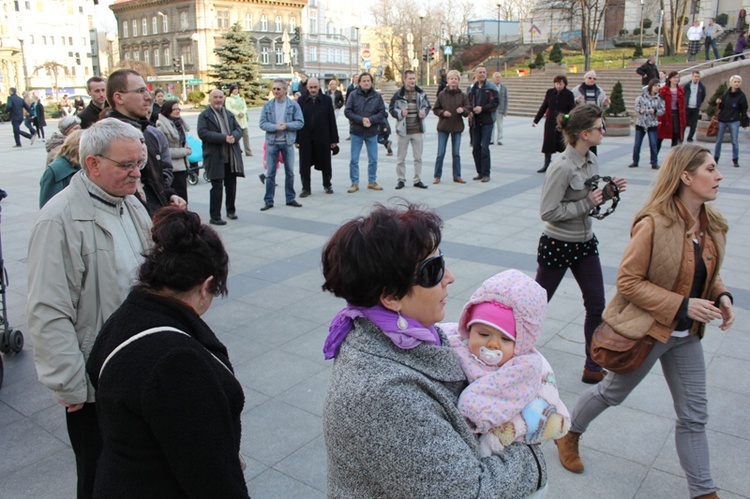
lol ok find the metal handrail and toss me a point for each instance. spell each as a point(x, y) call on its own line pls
point(711, 63)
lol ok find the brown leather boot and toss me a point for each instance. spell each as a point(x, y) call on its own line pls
point(567, 448)
point(712, 495)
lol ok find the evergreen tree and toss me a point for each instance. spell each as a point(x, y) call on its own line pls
point(388, 74)
point(617, 103)
point(728, 50)
point(238, 63)
point(638, 52)
point(458, 65)
point(718, 94)
point(556, 54)
point(539, 61)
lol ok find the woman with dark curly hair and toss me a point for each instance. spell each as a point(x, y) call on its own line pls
point(391, 424)
point(557, 100)
point(168, 402)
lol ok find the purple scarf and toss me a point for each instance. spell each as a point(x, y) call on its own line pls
point(385, 319)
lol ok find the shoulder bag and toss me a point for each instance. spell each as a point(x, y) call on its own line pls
point(617, 353)
point(713, 126)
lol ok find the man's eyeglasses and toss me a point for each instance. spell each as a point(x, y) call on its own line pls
point(430, 271)
point(127, 166)
point(277, 88)
point(142, 91)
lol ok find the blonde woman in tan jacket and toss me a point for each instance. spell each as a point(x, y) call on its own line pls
point(679, 295)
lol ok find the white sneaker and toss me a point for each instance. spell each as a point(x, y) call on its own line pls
point(33, 139)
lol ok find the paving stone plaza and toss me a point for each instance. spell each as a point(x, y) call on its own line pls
point(276, 317)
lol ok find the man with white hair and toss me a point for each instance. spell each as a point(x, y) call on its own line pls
point(98, 230)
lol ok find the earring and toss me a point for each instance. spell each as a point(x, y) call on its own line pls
point(402, 323)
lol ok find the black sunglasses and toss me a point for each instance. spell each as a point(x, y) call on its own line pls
point(430, 271)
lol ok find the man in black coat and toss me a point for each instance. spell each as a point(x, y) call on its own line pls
point(15, 107)
point(695, 94)
point(648, 71)
point(222, 154)
point(317, 137)
point(96, 86)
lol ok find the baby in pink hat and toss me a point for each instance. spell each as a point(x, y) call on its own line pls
point(512, 393)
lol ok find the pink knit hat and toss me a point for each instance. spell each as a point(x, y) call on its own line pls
point(495, 315)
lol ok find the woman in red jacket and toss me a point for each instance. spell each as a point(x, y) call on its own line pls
point(672, 122)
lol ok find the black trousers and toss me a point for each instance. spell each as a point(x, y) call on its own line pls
point(691, 115)
point(179, 184)
point(323, 164)
point(83, 430)
point(229, 184)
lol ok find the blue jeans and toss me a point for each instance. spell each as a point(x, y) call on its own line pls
point(18, 133)
point(481, 148)
point(734, 132)
point(456, 148)
point(640, 133)
point(371, 142)
point(711, 43)
point(684, 369)
point(272, 156)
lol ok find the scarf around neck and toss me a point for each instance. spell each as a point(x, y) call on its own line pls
point(414, 335)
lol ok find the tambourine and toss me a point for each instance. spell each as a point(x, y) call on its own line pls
point(610, 190)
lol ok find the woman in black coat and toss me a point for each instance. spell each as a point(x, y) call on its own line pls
point(169, 405)
point(557, 100)
point(39, 120)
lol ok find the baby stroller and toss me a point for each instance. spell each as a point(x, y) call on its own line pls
point(10, 340)
point(194, 160)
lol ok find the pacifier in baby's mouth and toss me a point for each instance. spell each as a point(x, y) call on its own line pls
point(489, 356)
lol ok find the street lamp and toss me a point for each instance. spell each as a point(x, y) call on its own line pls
point(422, 14)
point(497, 57)
point(21, 37)
point(641, 42)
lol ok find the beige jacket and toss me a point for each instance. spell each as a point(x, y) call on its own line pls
point(654, 278)
point(179, 154)
point(73, 287)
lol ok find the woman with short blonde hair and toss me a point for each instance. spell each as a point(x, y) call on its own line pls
point(732, 115)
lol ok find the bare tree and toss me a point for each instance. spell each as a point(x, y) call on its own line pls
point(673, 29)
point(592, 14)
point(52, 68)
point(140, 66)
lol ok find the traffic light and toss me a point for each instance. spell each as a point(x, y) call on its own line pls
point(425, 55)
point(296, 34)
point(432, 54)
point(176, 64)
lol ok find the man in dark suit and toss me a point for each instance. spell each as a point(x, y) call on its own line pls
point(222, 154)
point(317, 137)
point(15, 108)
point(695, 94)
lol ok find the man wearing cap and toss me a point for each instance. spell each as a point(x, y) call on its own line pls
point(66, 126)
point(317, 137)
point(589, 92)
point(96, 86)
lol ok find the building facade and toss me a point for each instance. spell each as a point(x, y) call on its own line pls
point(168, 35)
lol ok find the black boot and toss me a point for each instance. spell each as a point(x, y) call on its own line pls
point(547, 161)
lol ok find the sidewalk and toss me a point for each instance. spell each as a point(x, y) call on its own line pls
point(276, 317)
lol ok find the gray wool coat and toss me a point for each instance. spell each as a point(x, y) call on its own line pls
point(392, 428)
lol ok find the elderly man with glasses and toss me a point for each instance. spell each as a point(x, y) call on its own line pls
point(131, 102)
point(84, 249)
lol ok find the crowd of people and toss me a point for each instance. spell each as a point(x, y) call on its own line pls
point(115, 315)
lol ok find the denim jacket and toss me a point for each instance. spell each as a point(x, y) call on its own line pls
point(294, 121)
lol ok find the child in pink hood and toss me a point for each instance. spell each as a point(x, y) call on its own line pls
point(512, 393)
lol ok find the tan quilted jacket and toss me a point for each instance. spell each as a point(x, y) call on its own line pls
point(654, 277)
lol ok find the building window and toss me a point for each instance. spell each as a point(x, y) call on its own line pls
point(187, 53)
point(313, 54)
point(279, 55)
point(44, 39)
point(222, 19)
point(62, 40)
point(154, 25)
point(157, 59)
point(295, 57)
point(313, 25)
point(167, 60)
point(146, 57)
point(184, 20)
point(330, 30)
point(70, 40)
point(248, 22)
point(292, 23)
point(354, 35)
point(136, 55)
point(263, 23)
point(144, 27)
point(164, 24)
point(135, 27)
point(124, 29)
point(264, 55)
point(278, 24)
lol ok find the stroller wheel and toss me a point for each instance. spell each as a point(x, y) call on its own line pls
point(16, 341)
point(205, 176)
point(5, 341)
point(192, 178)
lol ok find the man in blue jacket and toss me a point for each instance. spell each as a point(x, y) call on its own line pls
point(695, 94)
point(483, 100)
point(15, 108)
point(280, 118)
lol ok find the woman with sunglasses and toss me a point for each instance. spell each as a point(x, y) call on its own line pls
point(670, 274)
point(391, 424)
point(568, 240)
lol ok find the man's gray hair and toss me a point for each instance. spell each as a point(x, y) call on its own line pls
point(96, 140)
point(282, 81)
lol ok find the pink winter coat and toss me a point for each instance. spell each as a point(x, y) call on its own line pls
point(523, 390)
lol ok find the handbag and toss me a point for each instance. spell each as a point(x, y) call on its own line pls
point(617, 353)
point(713, 126)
